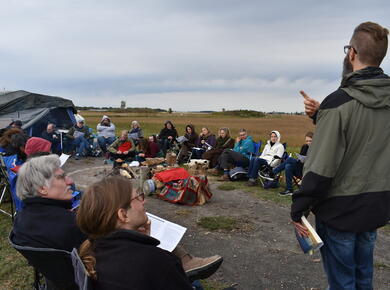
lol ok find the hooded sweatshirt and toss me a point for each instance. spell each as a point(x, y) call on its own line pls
point(346, 175)
point(270, 151)
point(104, 130)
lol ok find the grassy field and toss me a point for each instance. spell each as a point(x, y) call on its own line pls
point(291, 127)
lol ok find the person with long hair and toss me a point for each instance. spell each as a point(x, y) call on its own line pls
point(224, 141)
point(190, 143)
point(205, 142)
point(119, 252)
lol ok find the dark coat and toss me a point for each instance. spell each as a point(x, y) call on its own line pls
point(165, 133)
point(130, 260)
point(47, 223)
point(209, 139)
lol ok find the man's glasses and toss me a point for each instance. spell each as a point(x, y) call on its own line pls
point(61, 176)
point(348, 47)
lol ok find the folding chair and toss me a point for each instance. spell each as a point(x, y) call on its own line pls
point(80, 272)
point(5, 188)
point(297, 180)
point(257, 147)
point(55, 266)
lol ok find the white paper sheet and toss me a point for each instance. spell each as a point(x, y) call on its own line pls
point(63, 158)
point(169, 234)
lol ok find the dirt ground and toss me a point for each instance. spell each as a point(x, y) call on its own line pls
point(261, 254)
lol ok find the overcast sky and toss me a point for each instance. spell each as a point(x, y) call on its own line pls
point(184, 55)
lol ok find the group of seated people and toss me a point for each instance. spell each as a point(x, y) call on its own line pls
point(110, 229)
point(223, 152)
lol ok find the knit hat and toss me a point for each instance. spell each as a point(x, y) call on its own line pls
point(36, 144)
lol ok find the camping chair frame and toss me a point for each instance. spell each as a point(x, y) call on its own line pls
point(63, 278)
point(5, 188)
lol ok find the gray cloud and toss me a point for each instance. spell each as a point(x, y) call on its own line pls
point(188, 55)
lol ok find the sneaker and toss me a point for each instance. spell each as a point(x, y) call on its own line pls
point(77, 156)
point(286, 192)
point(251, 182)
point(201, 268)
point(224, 177)
point(266, 175)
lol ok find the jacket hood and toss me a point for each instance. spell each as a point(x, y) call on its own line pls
point(105, 117)
point(277, 135)
point(248, 138)
point(369, 86)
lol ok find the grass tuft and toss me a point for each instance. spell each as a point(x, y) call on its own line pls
point(218, 223)
point(226, 186)
point(213, 285)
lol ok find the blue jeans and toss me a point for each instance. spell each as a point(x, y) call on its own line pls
point(81, 144)
point(347, 257)
point(254, 166)
point(104, 142)
point(291, 168)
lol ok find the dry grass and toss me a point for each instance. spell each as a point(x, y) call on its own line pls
point(291, 127)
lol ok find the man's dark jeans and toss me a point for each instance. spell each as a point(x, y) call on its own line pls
point(347, 257)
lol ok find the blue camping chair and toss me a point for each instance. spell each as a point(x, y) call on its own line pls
point(257, 147)
point(9, 162)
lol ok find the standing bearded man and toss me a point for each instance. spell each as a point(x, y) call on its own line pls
point(346, 180)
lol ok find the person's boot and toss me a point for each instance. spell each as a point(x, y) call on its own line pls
point(224, 177)
point(197, 268)
point(214, 171)
point(251, 182)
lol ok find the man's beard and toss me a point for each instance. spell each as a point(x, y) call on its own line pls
point(347, 67)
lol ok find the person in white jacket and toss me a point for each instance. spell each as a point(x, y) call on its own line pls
point(106, 133)
point(271, 155)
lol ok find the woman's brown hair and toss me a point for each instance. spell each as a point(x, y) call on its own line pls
point(5, 139)
point(97, 214)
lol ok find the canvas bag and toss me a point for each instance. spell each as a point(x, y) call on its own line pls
point(193, 190)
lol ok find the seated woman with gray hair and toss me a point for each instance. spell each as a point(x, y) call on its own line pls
point(119, 252)
point(46, 220)
point(136, 132)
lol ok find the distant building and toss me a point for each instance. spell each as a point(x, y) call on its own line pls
point(123, 105)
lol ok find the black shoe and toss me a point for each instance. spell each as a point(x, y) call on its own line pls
point(286, 192)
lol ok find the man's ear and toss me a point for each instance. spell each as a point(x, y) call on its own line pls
point(43, 191)
point(122, 215)
point(352, 55)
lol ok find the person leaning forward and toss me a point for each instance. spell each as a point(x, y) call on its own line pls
point(345, 182)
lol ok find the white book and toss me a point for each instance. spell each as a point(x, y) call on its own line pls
point(169, 234)
point(77, 134)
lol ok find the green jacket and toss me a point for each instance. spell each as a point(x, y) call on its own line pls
point(118, 142)
point(346, 179)
point(84, 129)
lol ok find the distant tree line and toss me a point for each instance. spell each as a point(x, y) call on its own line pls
point(119, 110)
point(240, 113)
